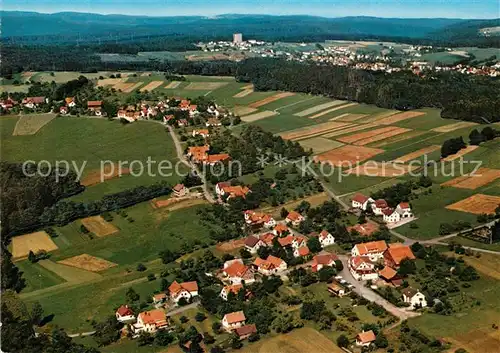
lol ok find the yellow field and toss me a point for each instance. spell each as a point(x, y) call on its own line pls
point(319, 107)
point(31, 123)
point(243, 110)
point(109, 81)
point(99, 226)
point(411, 156)
point(22, 244)
point(397, 138)
point(320, 114)
point(484, 340)
point(460, 153)
point(350, 128)
point(243, 93)
point(348, 117)
point(271, 99)
point(201, 86)
point(151, 86)
point(258, 116)
point(68, 273)
point(453, 127)
point(173, 84)
point(88, 263)
point(310, 131)
point(477, 204)
point(320, 144)
point(379, 116)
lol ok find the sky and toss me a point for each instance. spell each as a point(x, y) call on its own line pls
point(326, 8)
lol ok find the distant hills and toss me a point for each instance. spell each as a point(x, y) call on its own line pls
point(90, 27)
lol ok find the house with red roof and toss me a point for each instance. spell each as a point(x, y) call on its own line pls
point(95, 107)
point(70, 102)
point(364, 339)
point(235, 272)
point(390, 215)
point(180, 190)
point(286, 241)
point(397, 253)
point(390, 276)
point(362, 268)
point(124, 314)
point(280, 229)
point(225, 189)
point(294, 218)
point(201, 132)
point(379, 206)
point(254, 218)
point(325, 238)
point(271, 266)
point(365, 229)
point(267, 238)
point(323, 259)
point(245, 331)
point(33, 102)
point(159, 298)
point(8, 103)
point(63, 110)
point(253, 244)
point(150, 322)
point(404, 209)
point(186, 290)
point(414, 297)
point(235, 289)
point(361, 201)
point(233, 320)
point(373, 249)
point(301, 251)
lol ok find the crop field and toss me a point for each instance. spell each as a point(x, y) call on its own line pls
point(69, 273)
point(363, 136)
point(151, 86)
point(87, 262)
point(482, 177)
point(331, 110)
point(173, 84)
point(348, 129)
point(22, 244)
point(347, 155)
point(243, 93)
point(30, 124)
point(271, 99)
point(106, 173)
point(379, 169)
point(382, 136)
point(398, 138)
point(413, 155)
point(109, 81)
point(460, 153)
point(453, 127)
point(320, 144)
point(127, 87)
point(99, 226)
point(313, 130)
point(347, 117)
point(319, 107)
point(243, 110)
point(477, 204)
point(257, 116)
point(200, 86)
point(395, 118)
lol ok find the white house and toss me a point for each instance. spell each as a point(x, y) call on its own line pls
point(186, 290)
point(150, 321)
point(301, 251)
point(364, 339)
point(294, 218)
point(159, 298)
point(323, 259)
point(361, 201)
point(404, 210)
point(326, 239)
point(271, 266)
point(236, 272)
point(362, 268)
point(391, 215)
point(373, 249)
point(414, 297)
point(234, 288)
point(379, 206)
point(259, 218)
point(124, 314)
point(253, 244)
point(233, 320)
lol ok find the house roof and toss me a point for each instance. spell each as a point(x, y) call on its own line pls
point(159, 296)
point(387, 273)
point(410, 292)
point(198, 149)
point(286, 241)
point(304, 251)
point(276, 261)
point(360, 198)
point(236, 269)
point(235, 288)
point(176, 287)
point(357, 261)
point(124, 310)
point(35, 100)
point(365, 229)
point(251, 241)
point(236, 190)
point(267, 238)
point(388, 211)
point(280, 228)
point(235, 317)
point(324, 259)
point(69, 99)
point(398, 253)
point(335, 287)
point(404, 205)
point(154, 317)
point(294, 216)
point(246, 330)
point(324, 233)
point(178, 187)
point(214, 158)
point(94, 103)
point(371, 247)
point(381, 203)
point(201, 131)
point(366, 337)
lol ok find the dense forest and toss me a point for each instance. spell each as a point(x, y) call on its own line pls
point(463, 97)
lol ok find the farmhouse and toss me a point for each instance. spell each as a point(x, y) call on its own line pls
point(233, 320)
point(236, 272)
point(361, 201)
point(63, 110)
point(323, 259)
point(8, 103)
point(362, 268)
point(33, 102)
point(272, 265)
point(184, 104)
point(379, 206)
point(124, 314)
point(294, 218)
point(213, 122)
point(253, 244)
point(180, 190)
point(301, 251)
point(202, 132)
point(390, 276)
point(404, 210)
point(267, 238)
point(150, 322)
point(225, 189)
point(325, 238)
point(246, 331)
point(186, 290)
point(366, 229)
point(281, 229)
point(258, 219)
point(70, 102)
point(397, 253)
point(234, 288)
point(128, 115)
point(159, 298)
point(364, 339)
point(193, 110)
point(198, 153)
point(286, 241)
point(374, 249)
point(414, 298)
point(391, 215)
point(336, 289)
point(94, 106)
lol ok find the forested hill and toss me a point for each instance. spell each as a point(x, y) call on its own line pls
point(69, 26)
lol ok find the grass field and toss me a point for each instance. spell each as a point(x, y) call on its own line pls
point(31, 123)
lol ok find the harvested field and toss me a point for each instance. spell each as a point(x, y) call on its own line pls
point(201, 86)
point(68, 273)
point(109, 81)
point(453, 127)
point(271, 99)
point(243, 110)
point(151, 86)
point(30, 124)
point(318, 108)
point(231, 245)
point(367, 134)
point(99, 226)
point(460, 153)
point(310, 131)
point(347, 155)
point(127, 87)
point(380, 116)
point(413, 155)
point(173, 84)
point(109, 172)
point(87, 262)
point(348, 117)
point(320, 144)
point(382, 136)
point(351, 128)
point(398, 138)
point(381, 169)
point(320, 114)
point(477, 204)
point(243, 93)
point(258, 116)
point(249, 86)
point(482, 177)
point(22, 244)
point(484, 340)
point(399, 117)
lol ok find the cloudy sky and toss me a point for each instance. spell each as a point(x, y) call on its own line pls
point(326, 8)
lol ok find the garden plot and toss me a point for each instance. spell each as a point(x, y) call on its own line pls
point(88, 263)
point(460, 153)
point(310, 131)
point(30, 124)
point(151, 86)
point(318, 108)
point(257, 116)
point(173, 85)
point(22, 244)
point(270, 99)
point(347, 155)
point(453, 127)
point(328, 111)
point(483, 176)
point(99, 226)
point(413, 155)
point(204, 86)
point(320, 144)
point(477, 204)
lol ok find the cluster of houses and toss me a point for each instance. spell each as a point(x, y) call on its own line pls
point(199, 154)
point(225, 190)
point(381, 208)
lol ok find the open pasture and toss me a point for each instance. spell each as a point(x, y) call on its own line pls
point(453, 127)
point(22, 244)
point(482, 177)
point(381, 169)
point(31, 123)
point(310, 131)
point(208, 86)
point(331, 110)
point(151, 86)
point(347, 155)
point(98, 226)
point(320, 144)
point(395, 118)
point(413, 155)
point(258, 116)
point(87, 262)
point(173, 85)
point(319, 107)
point(460, 153)
point(477, 204)
point(382, 136)
point(271, 99)
point(366, 135)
